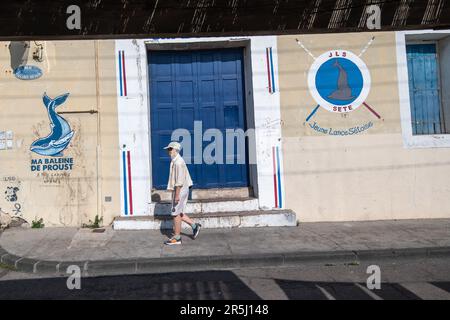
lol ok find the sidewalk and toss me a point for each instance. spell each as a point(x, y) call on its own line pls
point(51, 250)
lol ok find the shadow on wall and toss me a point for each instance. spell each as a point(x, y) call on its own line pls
point(161, 208)
point(19, 53)
point(162, 212)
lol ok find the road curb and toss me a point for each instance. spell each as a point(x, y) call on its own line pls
point(183, 264)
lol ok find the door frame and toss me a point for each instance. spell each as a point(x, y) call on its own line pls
point(249, 115)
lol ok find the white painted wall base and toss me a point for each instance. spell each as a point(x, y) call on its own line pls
point(272, 218)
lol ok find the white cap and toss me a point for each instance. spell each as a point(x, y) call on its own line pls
point(174, 145)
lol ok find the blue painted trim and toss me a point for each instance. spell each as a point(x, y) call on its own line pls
point(280, 201)
point(272, 71)
point(120, 72)
point(125, 193)
point(313, 113)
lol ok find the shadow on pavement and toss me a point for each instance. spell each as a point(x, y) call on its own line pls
point(214, 285)
point(207, 285)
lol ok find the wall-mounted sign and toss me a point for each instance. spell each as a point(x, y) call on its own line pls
point(6, 140)
point(28, 72)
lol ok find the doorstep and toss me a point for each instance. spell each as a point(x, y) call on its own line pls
point(211, 220)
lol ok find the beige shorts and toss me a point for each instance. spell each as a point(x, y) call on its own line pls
point(179, 208)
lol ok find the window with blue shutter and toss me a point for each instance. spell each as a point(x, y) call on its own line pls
point(424, 89)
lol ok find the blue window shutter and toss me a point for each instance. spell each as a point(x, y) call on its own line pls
point(423, 77)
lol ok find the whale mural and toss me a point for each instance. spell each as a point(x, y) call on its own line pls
point(61, 134)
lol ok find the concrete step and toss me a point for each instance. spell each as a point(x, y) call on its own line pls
point(208, 206)
point(203, 194)
point(243, 219)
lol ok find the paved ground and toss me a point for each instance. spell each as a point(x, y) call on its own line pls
point(402, 278)
point(421, 271)
point(75, 244)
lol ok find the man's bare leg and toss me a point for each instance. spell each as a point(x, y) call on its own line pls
point(177, 225)
point(176, 238)
point(186, 219)
point(195, 226)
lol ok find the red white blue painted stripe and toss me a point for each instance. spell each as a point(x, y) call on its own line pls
point(122, 74)
point(277, 177)
point(127, 185)
point(270, 70)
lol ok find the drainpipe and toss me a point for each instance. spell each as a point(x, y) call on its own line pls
point(99, 150)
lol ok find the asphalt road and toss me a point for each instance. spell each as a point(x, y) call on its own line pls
point(404, 279)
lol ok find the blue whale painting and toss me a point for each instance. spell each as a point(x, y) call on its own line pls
point(61, 133)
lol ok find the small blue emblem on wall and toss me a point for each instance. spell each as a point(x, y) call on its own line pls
point(27, 72)
point(61, 133)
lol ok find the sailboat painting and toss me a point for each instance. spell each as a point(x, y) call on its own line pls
point(343, 91)
point(339, 81)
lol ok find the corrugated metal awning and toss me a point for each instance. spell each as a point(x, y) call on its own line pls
point(139, 18)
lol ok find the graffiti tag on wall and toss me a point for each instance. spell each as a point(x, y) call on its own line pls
point(54, 178)
point(11, 194)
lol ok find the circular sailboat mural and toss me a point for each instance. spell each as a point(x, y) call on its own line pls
point(339, 81)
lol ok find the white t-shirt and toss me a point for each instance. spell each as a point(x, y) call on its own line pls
point(179, 174)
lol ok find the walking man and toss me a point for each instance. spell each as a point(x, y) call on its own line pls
point(179, 182)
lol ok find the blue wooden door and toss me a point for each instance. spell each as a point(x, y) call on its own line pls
point(201, 85)
point(424, 89)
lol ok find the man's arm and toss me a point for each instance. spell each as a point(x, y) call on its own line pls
point(177, 193)
point(178, 181)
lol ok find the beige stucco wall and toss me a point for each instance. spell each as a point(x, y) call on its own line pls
point(109, 149)
point(368, 176)
point(86, 70)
